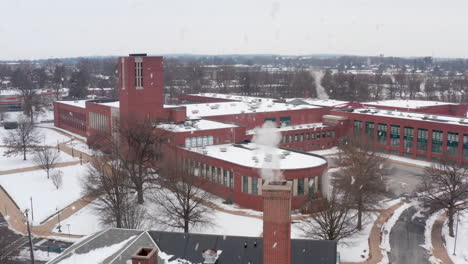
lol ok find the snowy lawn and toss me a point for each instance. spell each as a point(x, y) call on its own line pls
point(39, 255)
point(83, 222)
point(356, 248)
point(15, 162)
point(461, 252)
point(46, 198)
point(47, 136)
point(80, 146)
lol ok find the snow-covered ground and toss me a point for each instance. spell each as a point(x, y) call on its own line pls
point(461, 252)
point(47, 137)
point(356, 248)
point(16, 162)
point(80, 146)
point(46, 198)
point(331, 151)
point(83, 222)
point(39, 255)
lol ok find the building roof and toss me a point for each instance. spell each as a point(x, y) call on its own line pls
point(195, 125)
point(231, 108)
point(254, 156)
point(76, 103)
point(117, 246)
point(312, 126)
point(413, 116)
point(240, 249)
point(410, 104)
point(317, 102)
point(240, 98)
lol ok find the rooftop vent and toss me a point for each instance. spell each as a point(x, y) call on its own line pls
point(268, 157)
point(215, 106)
point(210, 256)
point(195, 111)
point(205, 151)
point(223, 149)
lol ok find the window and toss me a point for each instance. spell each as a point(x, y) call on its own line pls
point(285, 121)
point(422, 139)
point(312, 187)
point(301, 137)
point(220, 175)
point(333, 134)
point(312, 136)
point(357, 127)
point(254, 185)
point(245, 184)
point(194, 142)
point(300, 186)
point(465, 146)
point(317, 135)
point(295, 138)
point(213, 174)
point(395, 135)
point(271, 119)
point(138, 73)
point(231, 180)
point(437, 137)
point(370, 129)
point(382, 133)
point(408, 137)
point(283, 140)
point(452, 144)
point(307, 136)
point(289, 138)
point(225, 177)
point(328, 133)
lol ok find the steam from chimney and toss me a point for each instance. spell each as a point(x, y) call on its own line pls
point(267, 139)
point(321, 93)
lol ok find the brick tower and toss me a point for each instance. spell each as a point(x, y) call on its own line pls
point(276, 222)
point(141, 89)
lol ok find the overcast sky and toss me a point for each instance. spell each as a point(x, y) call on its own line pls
point(31, 29)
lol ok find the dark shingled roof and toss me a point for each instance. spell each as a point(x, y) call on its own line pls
point(238, 250)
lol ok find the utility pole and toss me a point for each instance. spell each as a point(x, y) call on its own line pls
point(31, 250)
point(32, 210)
point(456, 233)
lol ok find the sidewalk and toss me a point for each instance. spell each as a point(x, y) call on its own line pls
point(438, 246)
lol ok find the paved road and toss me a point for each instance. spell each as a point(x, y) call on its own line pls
point(407, 234)
point(406, 237)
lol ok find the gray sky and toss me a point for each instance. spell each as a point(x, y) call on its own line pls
point(31, 29)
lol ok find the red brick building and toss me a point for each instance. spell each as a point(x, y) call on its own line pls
point(210, 132)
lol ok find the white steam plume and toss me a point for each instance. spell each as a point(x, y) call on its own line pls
point(267, 139)
point(321, 93)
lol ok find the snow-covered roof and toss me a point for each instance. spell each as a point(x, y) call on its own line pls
point(231, 108)
point(240, 98)
point(414, 116)
point(196, 125)
point(251, 155)
point(319, 102)
point(112, 104)
point(410, 104)
point(312, 126)
point(76, 103)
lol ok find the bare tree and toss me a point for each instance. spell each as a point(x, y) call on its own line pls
point(445, 186)
point(140, 146)
point(106, 182)
point(334, 221)
point(5, 250)
point(46, 159)
point(180, 201)
point(362, 177)
point(57, 178)
point(21, 140)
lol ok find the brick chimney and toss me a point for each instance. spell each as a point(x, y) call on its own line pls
point(145, 256)
point(276, 222)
